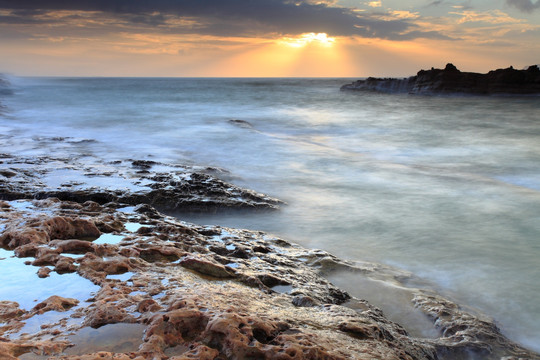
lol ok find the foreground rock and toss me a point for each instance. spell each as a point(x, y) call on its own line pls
point(206, 292)
point(452, 81)
point(131, 182)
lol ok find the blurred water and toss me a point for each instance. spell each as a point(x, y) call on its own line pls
point(445, 187)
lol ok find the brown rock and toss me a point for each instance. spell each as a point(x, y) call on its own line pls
point(46, 259)
point(109, 224)
point(15, 238)
point(9, 310)
point(28, 250)
point(65, 265)
point(55, 303)
point(148, 305)
point(102, 355)
point(106, 313)
point(201, 352)
point(160, 253)
point(177, 326)
point(73, 246)
point(206, 267)
point(116, 265)
point(43, 272)
point(60, 227)
point(11, 351)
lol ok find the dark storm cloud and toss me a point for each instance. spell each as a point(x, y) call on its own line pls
point(230, 17)
point(524, 5)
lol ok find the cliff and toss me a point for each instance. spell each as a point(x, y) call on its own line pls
point(450, 80)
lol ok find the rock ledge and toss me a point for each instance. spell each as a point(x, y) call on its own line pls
point(450, 80)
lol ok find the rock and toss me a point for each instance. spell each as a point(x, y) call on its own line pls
point(68, 228)
point(73, 246)
point(9, 310)
point(55, 303)
point(452, 81)
point(464, 332)
point(106, 313)
point(65, 265)
point(14, 239)
point(27, 250)
point(102, 355)
point(174, 188)
point(206, 267)
point(160, 253)
point(194, 305)
point(303, 301)
point(110, 266)
point(148, 305)
point(7, 173)
point(241, 123)
point(11, 351)
point(201, 352)
point(43, 272)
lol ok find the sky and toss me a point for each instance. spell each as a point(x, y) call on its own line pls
point(265, 38)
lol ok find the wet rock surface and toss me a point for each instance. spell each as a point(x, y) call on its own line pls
point(208, 292)
point(131, 182)
point(161, 288)
point(450, 80)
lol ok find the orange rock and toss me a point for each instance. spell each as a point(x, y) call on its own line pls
point(9, 310)
point(55, 303)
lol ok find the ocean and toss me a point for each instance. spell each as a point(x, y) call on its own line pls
point(444, 187)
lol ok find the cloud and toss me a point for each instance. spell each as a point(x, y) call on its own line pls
point(218, 17)
point(524, 5)
point(490, 17)
point(374, 4)
point(435, 3)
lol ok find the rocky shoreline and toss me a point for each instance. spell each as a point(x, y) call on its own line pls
point(450, 80)
point(166, 289)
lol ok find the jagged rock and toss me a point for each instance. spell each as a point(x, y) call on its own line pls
point(60, 227)
point(7, 173)
point(216, 311)
point(9, 310)
point(176, 188)
point(110, 266)
point(72, 246)
point(452, 81)
point(65, 265)
point(102, 355)
point(206, 267)
point(106, 313)
point(43, 272)
point(55, 303)
point(148, 305)
point(14, 239)
point(160, 253)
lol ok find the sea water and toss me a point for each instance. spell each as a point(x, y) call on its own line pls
point(447, 188)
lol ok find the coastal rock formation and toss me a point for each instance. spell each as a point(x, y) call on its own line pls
point(170, 187)
point(209, 292)
point(450, 80)
point(167, 289)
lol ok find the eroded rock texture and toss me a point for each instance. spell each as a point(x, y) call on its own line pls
point(170, 186)
point(452, 81)
point(207, 293)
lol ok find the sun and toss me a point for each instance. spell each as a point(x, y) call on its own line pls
point(321, 39)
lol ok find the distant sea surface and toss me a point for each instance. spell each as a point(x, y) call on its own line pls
point(447, 188)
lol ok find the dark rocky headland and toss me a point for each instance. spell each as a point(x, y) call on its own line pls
point(167, 289)
point(450, 80)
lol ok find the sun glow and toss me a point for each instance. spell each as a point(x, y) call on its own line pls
point(309, 38)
